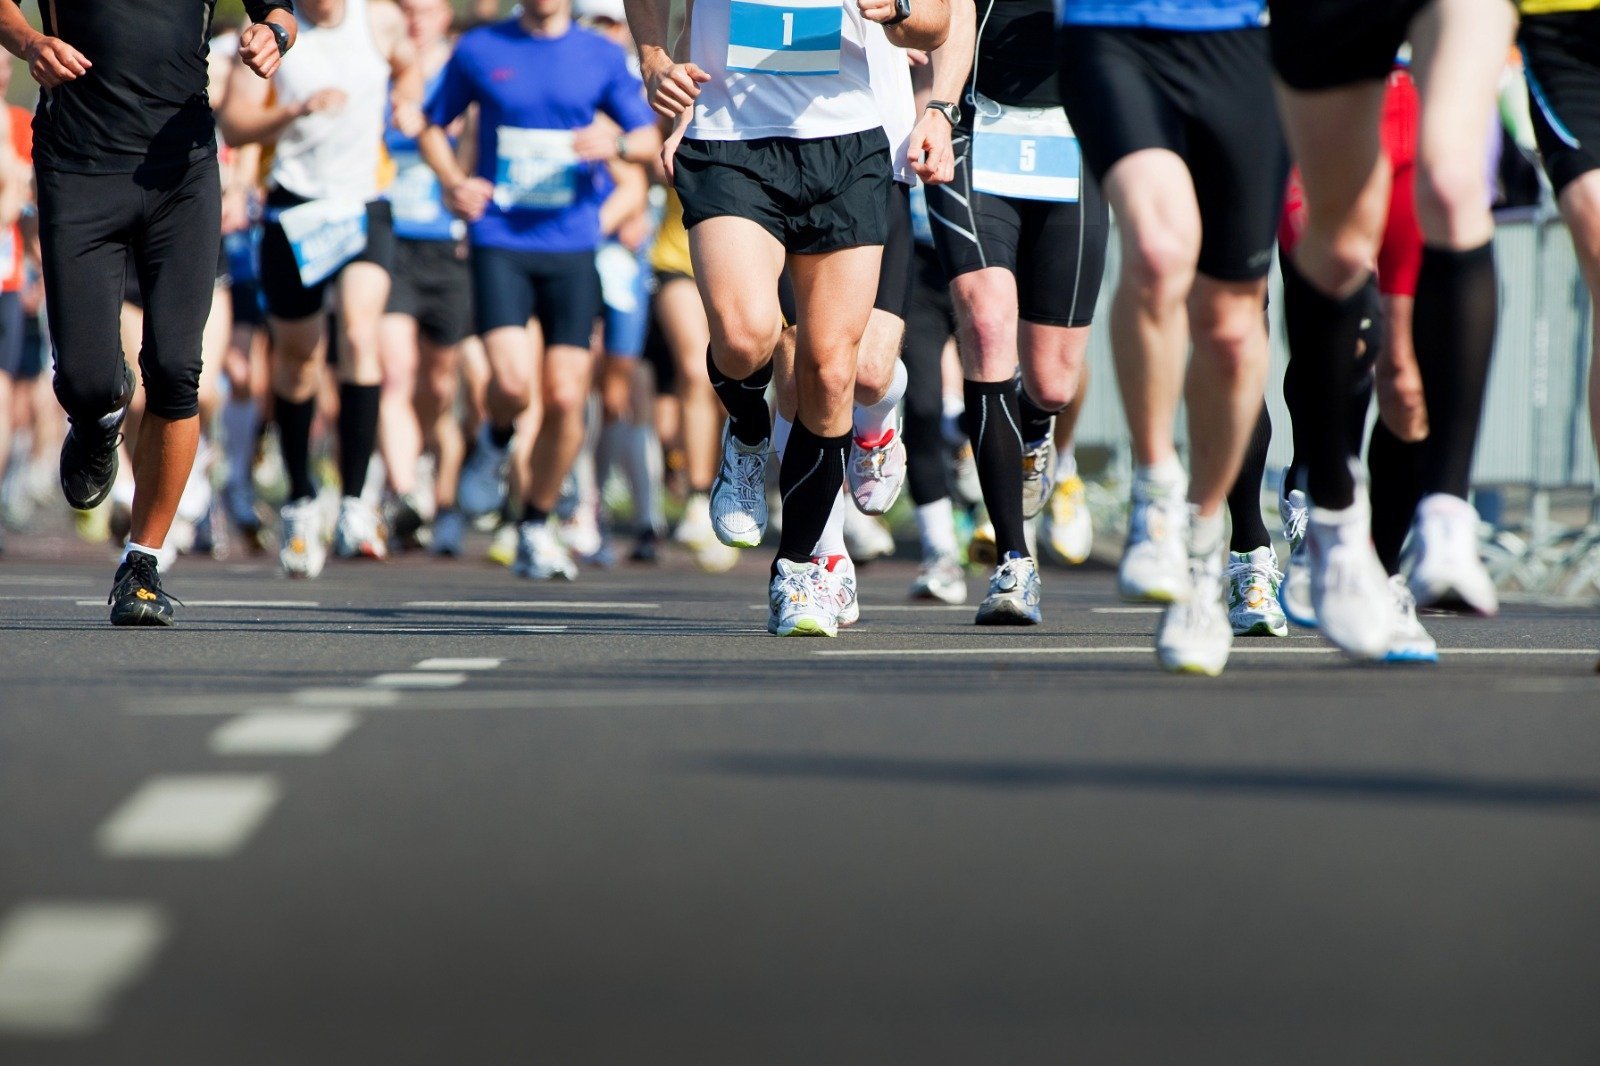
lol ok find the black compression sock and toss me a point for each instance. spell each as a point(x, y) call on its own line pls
point(530, 513)
point(1322, 333)
point(294, 441)
point(809, 481)
point(1036, 422)
point(358, 433)
point(1396, 470)
point(1454, 337)
point(1244, 499)
point(992, 421)
point(745, 401)
point(501, 437)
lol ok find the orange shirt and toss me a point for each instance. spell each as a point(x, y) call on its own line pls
point(11, 257)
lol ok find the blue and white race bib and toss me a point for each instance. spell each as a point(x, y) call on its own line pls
point(537, 169)
point(415, 193)
point(325, 235)
point(785, 36)
point(1028, 153)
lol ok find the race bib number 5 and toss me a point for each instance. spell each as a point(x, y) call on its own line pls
point(325, 235)
point(537, 169)
point(1028, 153)
point(770, 37)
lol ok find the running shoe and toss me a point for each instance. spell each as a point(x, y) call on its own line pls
point(89, 457)
point(1038, 476)
point(877, 472)
point(646, 548)
point(540, 555)
point(405, 521)
point(1443, 565)
point(503, 544)
point(940, 578)
point(482, 489)
point(449, 532)
point(1410, 643)
point(1069, 528)
point(1014, 592)
point(1294, 591)
point(866, 537)
point(1195, 636)
point(695, 526)
point(795, 607)
point(137, 598)
point(1350, 595)
point(715, 557)
point(303, 550)
point(1253, 581)
point(981, 549)
point(836, 578)
point(1154, 567)
point(359, 533)
point(739, 494)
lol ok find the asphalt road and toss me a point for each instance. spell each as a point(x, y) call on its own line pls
point(631, 828)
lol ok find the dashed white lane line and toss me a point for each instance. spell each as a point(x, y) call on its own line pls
point(342, 696)
point(459, 664)
point(532, 605)
point(419, 679)
point(251, 604)
point(1000, 651)
point(892, 608)
point(1126, 610)
point(189, 816)
point(61, 964)
point(296, 733)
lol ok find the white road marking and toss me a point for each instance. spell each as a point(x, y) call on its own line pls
point(891, 608)
point(248, 604)
point(189, 816)
point(458, 664)
point(536, 629)
point(418, 680)
point(61, 964)
point(1000, 651)
point(1126, 610)
point(297, 733)
point(530, 605)
point(345, 697)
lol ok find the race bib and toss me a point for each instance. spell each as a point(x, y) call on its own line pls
point(537, 169)
point(794, 37)
point(415, 195)
point(619, 277)
point(325, 235)
point(8, 252)
point(1028, 153)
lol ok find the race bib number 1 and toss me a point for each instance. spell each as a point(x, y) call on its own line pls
point(537, 169)
point(768, 37)
point(1028, 153)
point(325, 235)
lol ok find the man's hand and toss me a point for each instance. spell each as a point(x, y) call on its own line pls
point(258, 47)
point(879, 11)
point(469, 199)
point(322, 100)
point(597, 142)
point(673, 87)
point(53, 61)
point(408, 118)
point(930, 153)
point(669, 149)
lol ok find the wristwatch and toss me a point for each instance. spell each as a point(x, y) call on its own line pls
point(282, 36)
point(622, 147)
point(950, 111)
point(902, 11)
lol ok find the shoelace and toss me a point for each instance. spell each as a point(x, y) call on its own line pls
point(869, 464)
point(1294, 527)
point(143, 572)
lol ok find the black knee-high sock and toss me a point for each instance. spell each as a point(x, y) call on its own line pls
point(1454, 337)
point(745, 401)
point(993, 424)
point(1322, 333)
point(1396, 470)
point(294, 420)
point(1244, 499)
point(809, 480)
point(358, 433)
point(1037, 423)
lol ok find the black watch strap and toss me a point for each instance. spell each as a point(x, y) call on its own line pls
point(951, 112)
point(282, 36)
point(902, 11)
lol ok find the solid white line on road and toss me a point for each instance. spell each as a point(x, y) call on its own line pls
point(458, 664)
point(1126, 610)
point(249, 604)
point(299, 733)
point(878, 608)
point(61, 964)
point(532, 605)
point(418, 680)
point(536, 629)
point(345, 697)
point(1000, 651)
point(189, 816)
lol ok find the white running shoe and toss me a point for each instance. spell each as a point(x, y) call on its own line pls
point(940, 578)
point(1038, 476)
point(303, 551)
point(1155, 561)
point(1195, 636)
point(877, 472)
point(794, 606)
point(360, 532)
point(866, 537)
point(715, 557)
point(1443, 564)
point(482, 488)
point(1410, 642)
point(1294, 592)
point(695, 527)
point(981, 549)
point(836, 578)
point(1069, 527)
point(1350, 594)
point(1014, 594)
point(739, 494)
point(540, 555)
point(1253, 582)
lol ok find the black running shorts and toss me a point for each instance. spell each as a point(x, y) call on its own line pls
point(1206, 97)
point(1057, 251)
point(432, 283)
point(894, 276)
point(285, 296)
point(1326, 44)
point(814, 196)
point(560, 289)
point(1562, 57)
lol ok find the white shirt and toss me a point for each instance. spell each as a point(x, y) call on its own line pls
point(897, 103)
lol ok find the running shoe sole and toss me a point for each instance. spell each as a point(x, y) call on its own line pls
point(808, 627)
point(139, 614)
point(1005, 614)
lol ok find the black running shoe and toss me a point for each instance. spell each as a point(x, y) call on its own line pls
point(136, 596)
point(89, 454)
point(405, 521)
point(647, 549)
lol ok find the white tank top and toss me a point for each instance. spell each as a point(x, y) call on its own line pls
point(336, 152)
point(781, 68)
point(897, 103)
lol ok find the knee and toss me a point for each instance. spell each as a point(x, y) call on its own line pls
point(1233, 339)
point(171, 392)
point(833, 379)
point(1451, 198)
point(1160, 265)
point(565, 396)
point(746, 347)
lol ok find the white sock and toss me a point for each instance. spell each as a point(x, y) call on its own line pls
point(780, 434)
point(936, 525)
point(1067, 463)
point(131, 547)
point(240, 421)
point(832, 540)
point(872, 423)
point(638, 447)
point(1168, 472)
point(1205, 535)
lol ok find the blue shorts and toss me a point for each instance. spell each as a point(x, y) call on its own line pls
point(625, 287)
point(13, 334)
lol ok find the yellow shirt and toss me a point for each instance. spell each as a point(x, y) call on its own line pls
point(671, 252)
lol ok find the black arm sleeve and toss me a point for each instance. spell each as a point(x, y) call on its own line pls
point(258, 10)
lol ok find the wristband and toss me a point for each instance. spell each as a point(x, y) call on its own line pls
point(902, 11)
